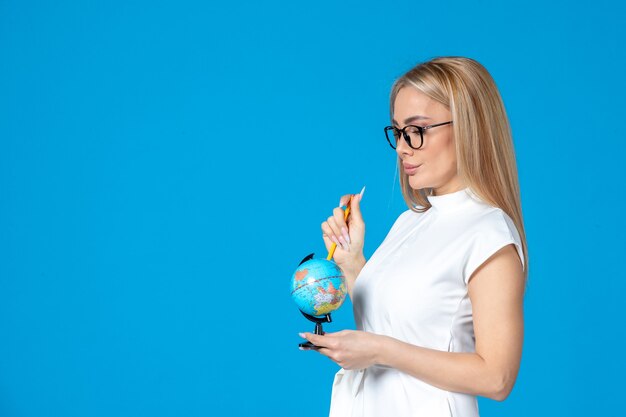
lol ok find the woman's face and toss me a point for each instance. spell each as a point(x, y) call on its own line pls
point(436, 159)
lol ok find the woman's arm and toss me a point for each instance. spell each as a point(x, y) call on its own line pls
point(496, 291)
point(353, 271)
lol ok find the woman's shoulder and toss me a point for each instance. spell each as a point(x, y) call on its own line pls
point(485, 214)
point(487, 220)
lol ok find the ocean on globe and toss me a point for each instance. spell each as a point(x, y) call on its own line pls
point(318, 287)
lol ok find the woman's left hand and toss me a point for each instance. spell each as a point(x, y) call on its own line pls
point(350, 349)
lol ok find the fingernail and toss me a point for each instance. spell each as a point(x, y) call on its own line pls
point(346, 236)
point(334, 239)
point(344, 244)
point(301, 335)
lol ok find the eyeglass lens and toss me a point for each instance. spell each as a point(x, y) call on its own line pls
point(413, 133)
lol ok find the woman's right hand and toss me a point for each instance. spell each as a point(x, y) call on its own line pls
point(349, 237)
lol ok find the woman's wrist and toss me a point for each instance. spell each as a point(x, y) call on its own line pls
point(381, 347)
point(353, 268)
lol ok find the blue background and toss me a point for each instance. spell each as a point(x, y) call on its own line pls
point(164, 166)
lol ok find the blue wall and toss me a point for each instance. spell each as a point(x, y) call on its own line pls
point(164, 166)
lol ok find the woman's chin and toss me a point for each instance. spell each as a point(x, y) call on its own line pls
point(416, 183)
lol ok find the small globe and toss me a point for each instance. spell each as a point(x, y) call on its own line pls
point(318, 287)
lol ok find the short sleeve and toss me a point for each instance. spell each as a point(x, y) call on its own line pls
point(491, 234)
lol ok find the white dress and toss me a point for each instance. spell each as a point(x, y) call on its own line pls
point(414, 288)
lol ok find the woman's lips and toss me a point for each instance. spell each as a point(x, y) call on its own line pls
point(411, 169)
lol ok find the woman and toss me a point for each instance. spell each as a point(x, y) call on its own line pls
point(438, 306)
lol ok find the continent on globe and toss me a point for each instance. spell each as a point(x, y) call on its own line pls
point(329, 299)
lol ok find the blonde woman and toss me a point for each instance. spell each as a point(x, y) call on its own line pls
point(438, 306)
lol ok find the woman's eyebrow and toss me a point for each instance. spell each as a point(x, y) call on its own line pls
point(412, 119)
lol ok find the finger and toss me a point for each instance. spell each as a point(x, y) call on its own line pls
point(334, 228)
point(327, 242)
point(340, 214)
point(317, 340)
point(325, 351)
point(356, 217)
point(343, 201)
point(336, 235)
point(340, 221)
point(327, 235)
point(327, 231)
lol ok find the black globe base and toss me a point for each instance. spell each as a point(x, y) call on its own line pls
point(318, 328)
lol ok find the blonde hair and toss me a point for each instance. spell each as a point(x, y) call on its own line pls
point(482, 135)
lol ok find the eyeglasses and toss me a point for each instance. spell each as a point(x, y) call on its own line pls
point(414, 135)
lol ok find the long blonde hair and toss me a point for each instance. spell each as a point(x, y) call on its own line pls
point(484, 145)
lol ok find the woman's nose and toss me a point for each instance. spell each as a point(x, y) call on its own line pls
point(403, 148)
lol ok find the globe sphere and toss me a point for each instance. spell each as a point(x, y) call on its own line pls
point(318, 287)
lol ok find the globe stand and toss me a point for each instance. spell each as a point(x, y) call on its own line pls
point(318, 328)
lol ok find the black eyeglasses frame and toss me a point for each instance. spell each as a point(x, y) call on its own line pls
point(420, 129)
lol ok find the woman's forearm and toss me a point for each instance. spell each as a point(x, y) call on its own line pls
point(452, 371)
point(353, 271)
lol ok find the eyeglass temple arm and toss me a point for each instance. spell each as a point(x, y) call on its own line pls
point(438, 124)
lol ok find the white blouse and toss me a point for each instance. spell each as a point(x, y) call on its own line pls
point(414, 288)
